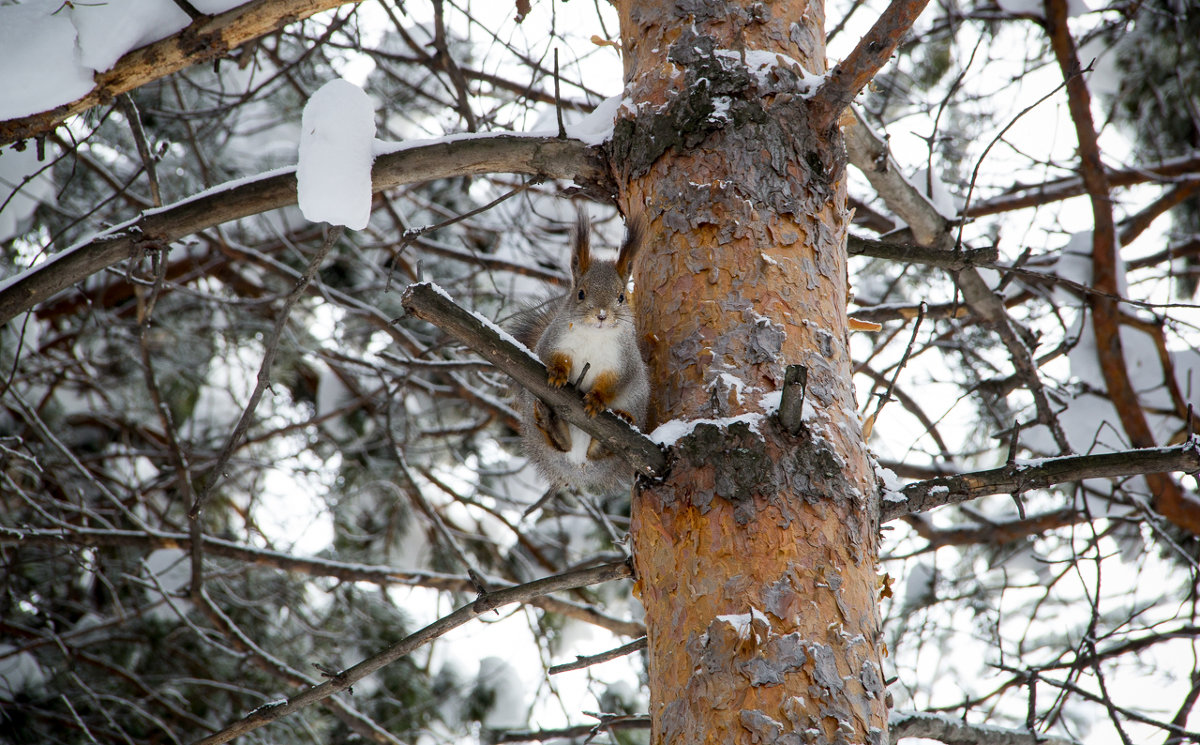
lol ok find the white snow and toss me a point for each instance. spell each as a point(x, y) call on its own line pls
point(597, 127)
point(770, 402)
point(109, 30)
point(760, 63)
point(668, 433)
point(943, 201)
point(728, 382)
point(337, 138)
point(891, 484)
point(503, 681)
point(19, 673)
point(40, 59)
point(50, 50)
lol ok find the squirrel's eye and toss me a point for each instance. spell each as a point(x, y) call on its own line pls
point(621, 298)
point(581, 294)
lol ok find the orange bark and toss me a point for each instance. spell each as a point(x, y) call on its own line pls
point(756, 554)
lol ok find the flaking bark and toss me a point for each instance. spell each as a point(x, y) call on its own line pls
point(756, 554)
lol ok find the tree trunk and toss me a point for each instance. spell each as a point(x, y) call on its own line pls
point(756, 554)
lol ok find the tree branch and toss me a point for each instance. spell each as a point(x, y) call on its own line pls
point(383, 576)
point(205, 39)
point(1020, 197)
point(900, 724)
point(430, 304)
point(957, 732)
point(350, 676)
point(581, 661)
point(921, 496)
point(544, 157)
point(910, 253)
point(873, 51)
point(1169, 499)
point(994, 533)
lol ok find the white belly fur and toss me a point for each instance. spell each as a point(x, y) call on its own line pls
point(601, 349)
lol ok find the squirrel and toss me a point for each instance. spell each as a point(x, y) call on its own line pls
point(586, 337)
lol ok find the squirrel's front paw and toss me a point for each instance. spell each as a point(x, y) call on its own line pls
point(558, 369)
point(593, 403)
point(602, 393)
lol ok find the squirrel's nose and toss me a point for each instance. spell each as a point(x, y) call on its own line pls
point(601, 315)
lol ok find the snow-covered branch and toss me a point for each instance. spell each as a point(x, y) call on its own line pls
point(543, 157)
point(208, 37)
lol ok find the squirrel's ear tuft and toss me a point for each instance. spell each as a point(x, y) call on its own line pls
point(581, 254)
point(635, 231)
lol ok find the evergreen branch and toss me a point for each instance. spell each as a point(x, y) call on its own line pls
point(381, 575)
point(430, 304)
point(484, 603)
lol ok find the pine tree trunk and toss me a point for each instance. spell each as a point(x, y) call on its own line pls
point(756, 554)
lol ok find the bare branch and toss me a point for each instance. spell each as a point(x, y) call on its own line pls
point(270, 349)
point(869, 153)
point(942, 490)
point(873, 51)
point(384, 576)
point(1169, 499)
point(581, 662)
point(957, 732)
point(914, 254)
point(1073, 186)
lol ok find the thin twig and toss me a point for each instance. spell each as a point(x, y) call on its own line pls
point(581, 662)
point(271, 347)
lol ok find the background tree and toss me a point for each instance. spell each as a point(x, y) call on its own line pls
point(1015, 243)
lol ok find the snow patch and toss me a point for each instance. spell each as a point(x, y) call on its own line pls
point(40, 59)
point(760, 64)
point(1035, 8)
point(669, 433)
point(337, 139)
point(891, 484)
point(50, 50)
point(597, 127)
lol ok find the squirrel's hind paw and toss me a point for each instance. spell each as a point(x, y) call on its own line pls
point(553, 428)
